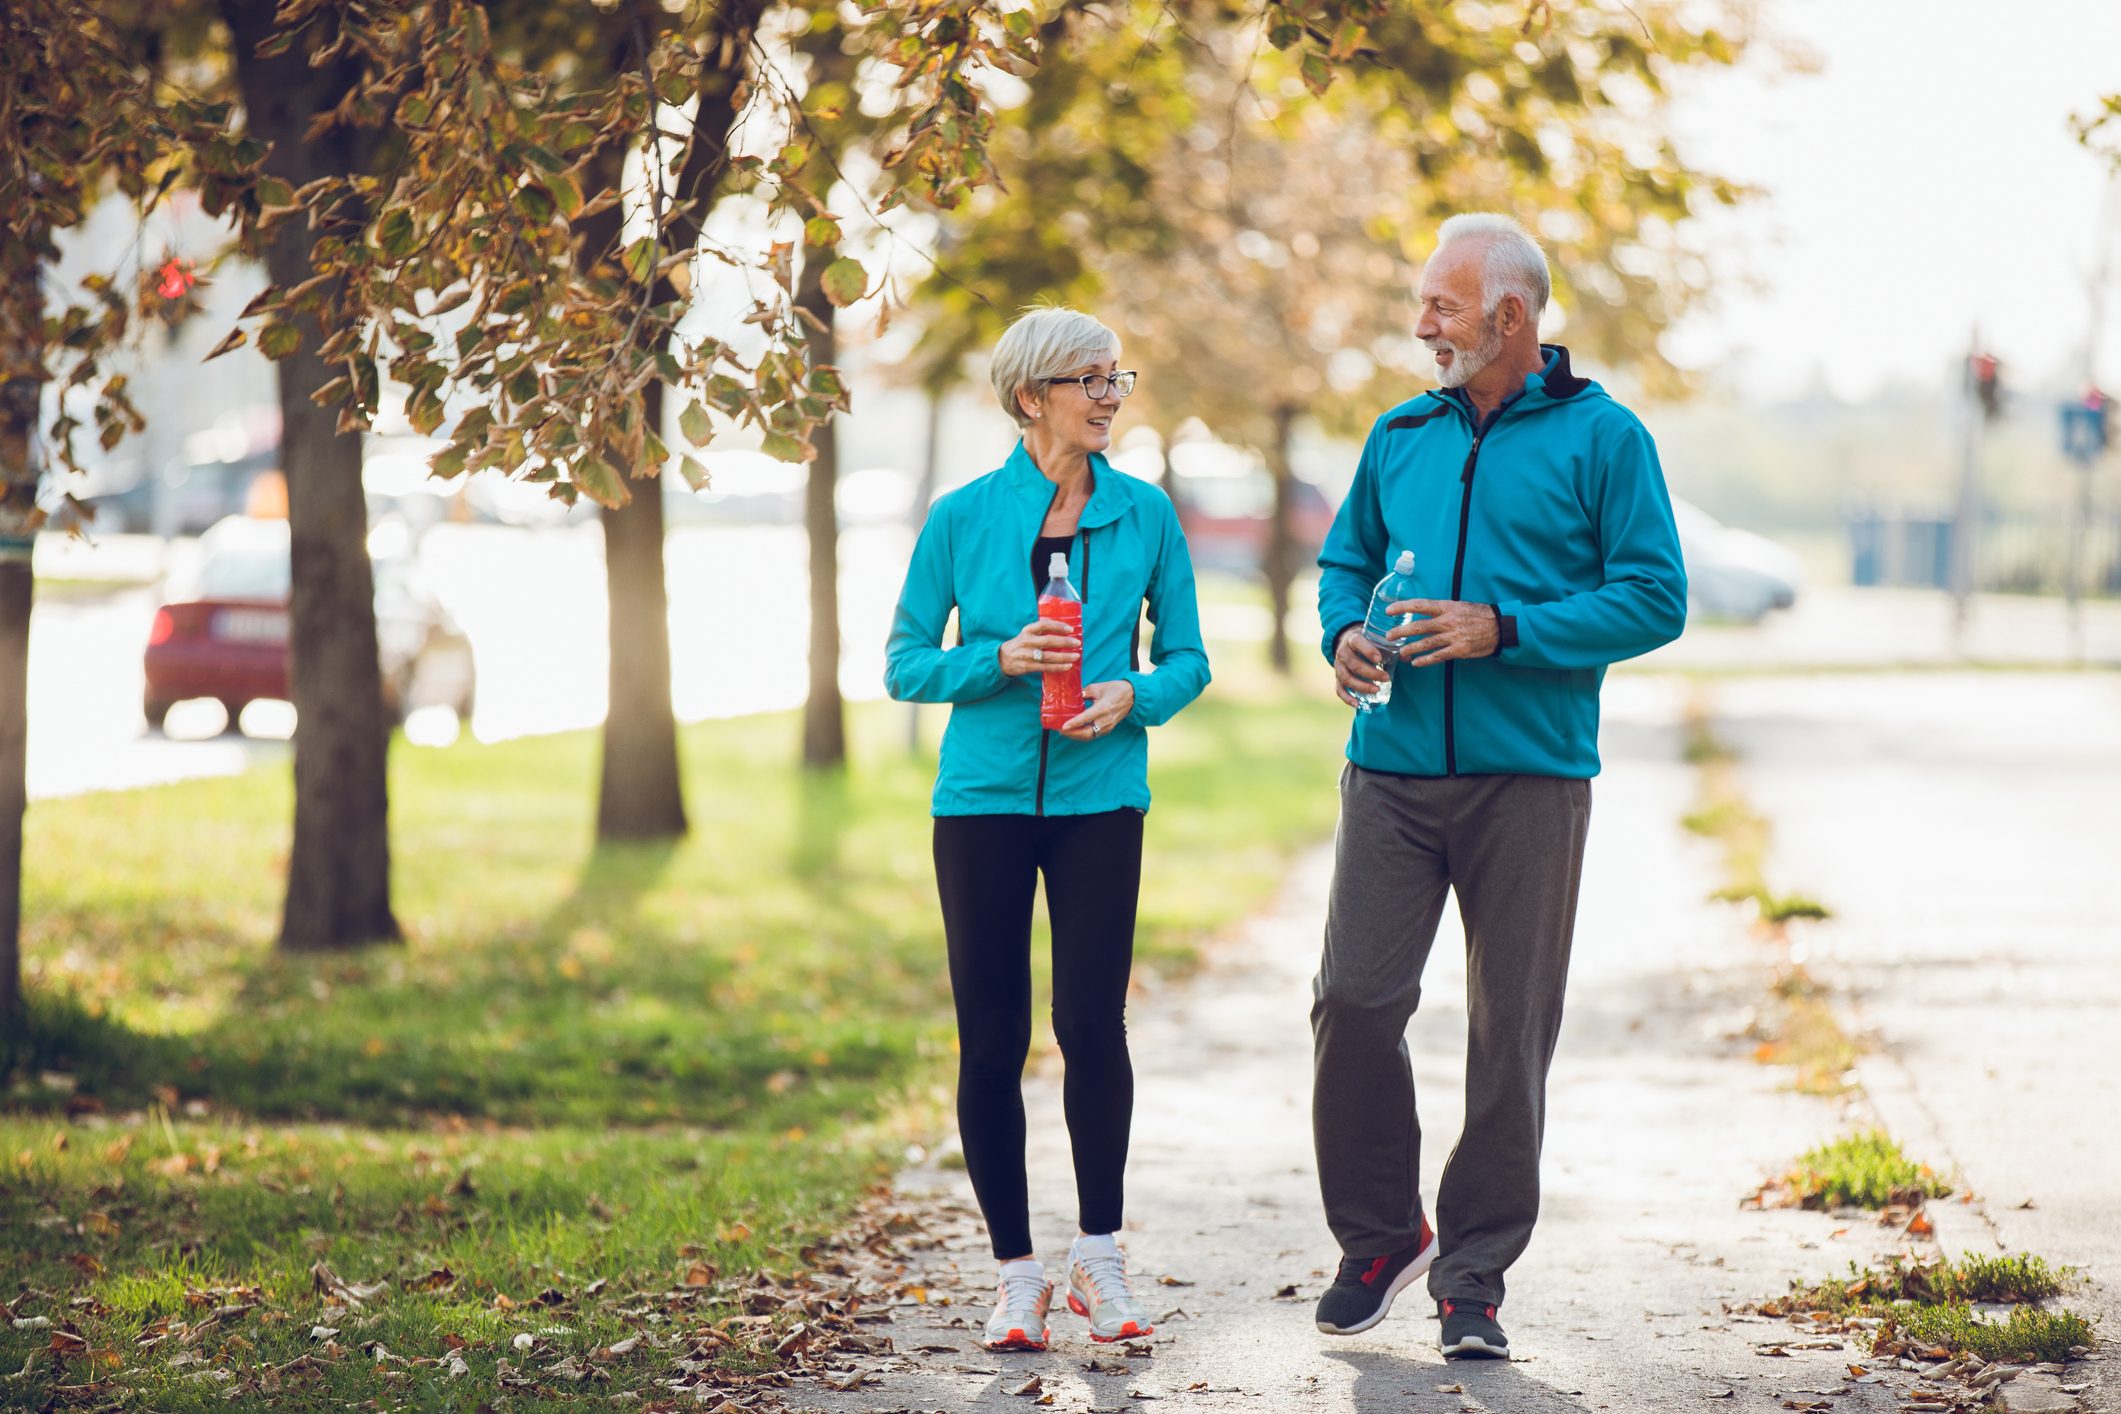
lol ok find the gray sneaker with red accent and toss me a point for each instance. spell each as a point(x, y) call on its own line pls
point(1363, 1289)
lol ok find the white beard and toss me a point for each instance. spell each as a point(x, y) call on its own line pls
point(1467, 363)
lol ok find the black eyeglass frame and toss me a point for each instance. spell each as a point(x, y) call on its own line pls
point(1111, 380)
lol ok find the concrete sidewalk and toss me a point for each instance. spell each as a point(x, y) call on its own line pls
point(1966, 830)
point(1660, 1123)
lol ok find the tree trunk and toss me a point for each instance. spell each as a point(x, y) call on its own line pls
point(338, 873)
point(639, 792)
point(21, 389)
point(824, 714)
point(1280, 564)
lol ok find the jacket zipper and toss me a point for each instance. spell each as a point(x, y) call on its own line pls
point(1038, 803)
point(1458, 578)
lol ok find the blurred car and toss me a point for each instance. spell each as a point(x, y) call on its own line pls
point(1733, 575)
point(224, 633)
point(1225, 501)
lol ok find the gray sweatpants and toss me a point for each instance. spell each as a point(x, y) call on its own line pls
point(1512, 848)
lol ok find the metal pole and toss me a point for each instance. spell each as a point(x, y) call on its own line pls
point(1962, 568)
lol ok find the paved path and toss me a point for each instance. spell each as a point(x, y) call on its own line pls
point(1967, 831)
point(1660, 1123)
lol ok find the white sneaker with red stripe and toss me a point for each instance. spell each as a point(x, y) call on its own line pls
point(1099, 1292)
point(1021, 1301)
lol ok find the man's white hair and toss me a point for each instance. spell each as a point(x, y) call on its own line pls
point(1511, 263)
point(1044, 343)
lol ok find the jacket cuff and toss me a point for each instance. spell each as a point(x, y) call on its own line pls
point(1505, 630)
point(1333, 638)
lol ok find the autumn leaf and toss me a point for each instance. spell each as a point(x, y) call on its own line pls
point(844, 281)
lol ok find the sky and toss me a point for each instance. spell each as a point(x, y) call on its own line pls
point(1922, 180)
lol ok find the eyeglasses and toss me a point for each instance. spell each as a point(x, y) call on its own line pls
point(1097, 385)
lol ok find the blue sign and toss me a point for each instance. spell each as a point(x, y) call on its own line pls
point(2084, 431)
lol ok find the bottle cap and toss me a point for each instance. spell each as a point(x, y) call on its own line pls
point(1057, 567)
point(1406, 562)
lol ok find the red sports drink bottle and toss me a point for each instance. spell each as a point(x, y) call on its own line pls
point(1063, 698)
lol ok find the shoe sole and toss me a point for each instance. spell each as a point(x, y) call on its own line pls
point(1017, 1340)
point(1415, 1270)
point(1472, 1347)
point(1133, 1330)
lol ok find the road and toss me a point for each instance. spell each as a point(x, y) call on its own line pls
point(1964, 829)
point(533, 604)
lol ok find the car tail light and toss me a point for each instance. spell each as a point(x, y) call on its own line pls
point(165, 628)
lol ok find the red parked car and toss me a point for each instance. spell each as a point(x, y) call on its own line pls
point(225, 637)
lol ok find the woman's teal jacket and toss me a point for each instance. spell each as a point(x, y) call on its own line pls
point(974, 557)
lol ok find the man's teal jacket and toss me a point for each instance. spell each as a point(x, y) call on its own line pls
point(974, 557)
point(1555, 513)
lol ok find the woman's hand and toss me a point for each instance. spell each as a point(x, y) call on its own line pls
point(1105, 706)
point(1045, 646)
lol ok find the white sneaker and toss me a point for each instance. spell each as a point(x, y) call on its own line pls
point(1020, 1305)
point(1098, 1291)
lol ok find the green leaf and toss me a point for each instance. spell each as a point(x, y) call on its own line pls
point(566, 193)
point(449, 462)
point(640, 259)
point(595, 476)
point(844, 281)
point(783, 447)
point(825, 382)
point(394, 233)
point(695, 475)
point(821, 231)
point(544, 161)
point(1018, 23)
point(534, 202)
point(279, 339)
point(697, 426)
point(274, 192)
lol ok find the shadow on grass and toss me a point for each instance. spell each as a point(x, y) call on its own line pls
point(605, 1011)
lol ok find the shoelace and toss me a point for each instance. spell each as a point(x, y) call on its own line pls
point(1021, 1291)
point(1109, 1276)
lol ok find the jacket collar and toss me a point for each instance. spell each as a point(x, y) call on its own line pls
point(1553, 383)
point(1108, 501)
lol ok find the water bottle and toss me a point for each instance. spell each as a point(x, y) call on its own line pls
point(1397, 585)
point(1062, 700)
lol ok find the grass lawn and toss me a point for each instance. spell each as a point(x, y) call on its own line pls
point(583, 1064)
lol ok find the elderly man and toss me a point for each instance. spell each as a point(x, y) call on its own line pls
point(1544, 550)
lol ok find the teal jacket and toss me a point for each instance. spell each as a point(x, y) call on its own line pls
point(1556, 514)
point(974, 557)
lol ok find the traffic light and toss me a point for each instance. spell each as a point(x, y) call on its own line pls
point(1985, 372)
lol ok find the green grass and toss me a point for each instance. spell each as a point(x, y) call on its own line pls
point(1932, 1304)
point(1723, 814)
point(583, 1063)
point(2025, 1334)
point(1863, 1170)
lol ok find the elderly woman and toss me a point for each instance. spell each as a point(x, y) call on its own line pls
point(1014, 799)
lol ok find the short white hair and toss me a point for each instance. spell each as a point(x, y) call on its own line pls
point(1511, 261)
point(1045, 343)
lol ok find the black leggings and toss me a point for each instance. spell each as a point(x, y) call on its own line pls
point(986, 869)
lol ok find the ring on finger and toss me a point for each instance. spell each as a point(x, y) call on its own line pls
point(1038, 655)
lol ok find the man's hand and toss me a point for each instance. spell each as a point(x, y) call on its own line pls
point(1358, 666)
point(1451, 629)
point(1105, 706)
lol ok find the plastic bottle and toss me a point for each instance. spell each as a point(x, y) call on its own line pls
point(1397, 585)
point(1063, 696)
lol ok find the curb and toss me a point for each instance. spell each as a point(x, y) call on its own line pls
point(1961, 1222)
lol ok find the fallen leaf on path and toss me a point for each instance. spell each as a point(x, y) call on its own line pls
point(1030, 1386)
point(699, 1274)
point(1172, 1281)
point(623, 1347)
point(1450, 1389)
point(1920, 1224)
point(1100, 1365)
point(1722, 1394)
point(1286, 1293)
